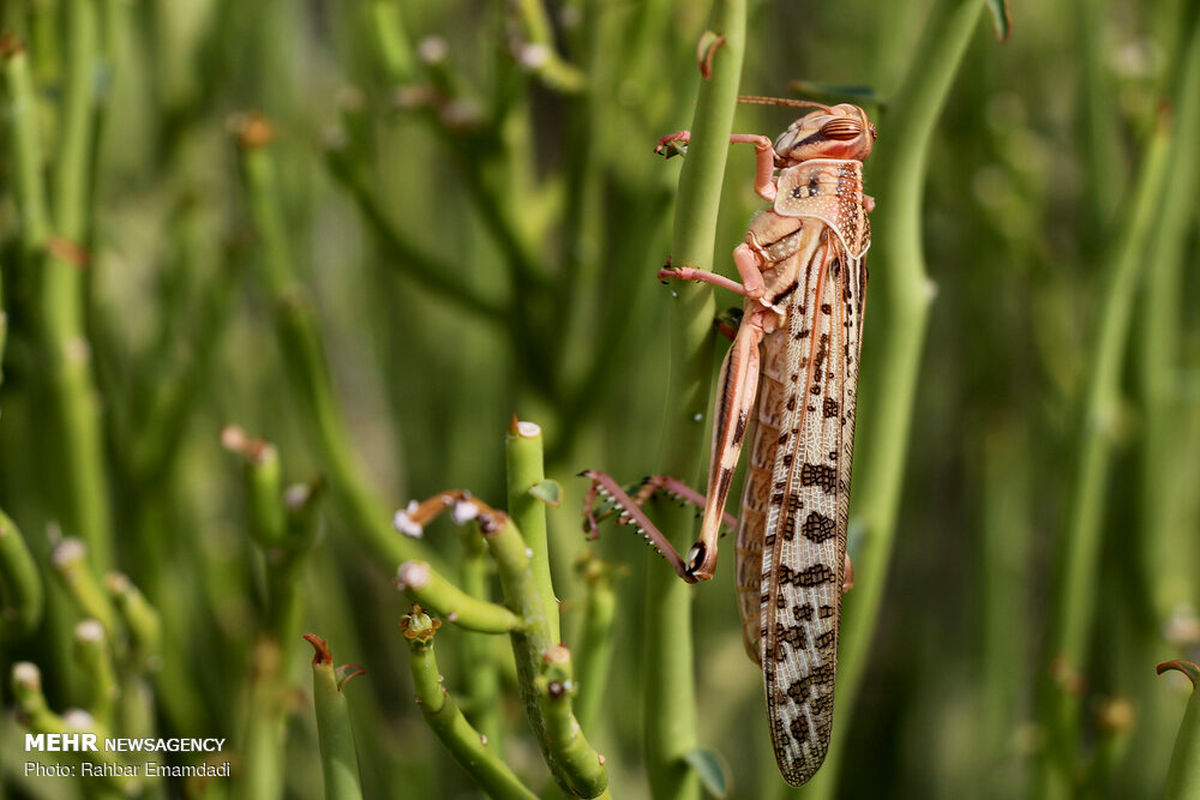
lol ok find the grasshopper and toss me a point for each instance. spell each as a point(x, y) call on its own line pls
point(803, 274)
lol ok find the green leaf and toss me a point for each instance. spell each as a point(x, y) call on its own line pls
point(548, 491)
point(1001, 21)
point(711, 768)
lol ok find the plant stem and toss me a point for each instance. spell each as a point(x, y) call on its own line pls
point(464, 742)
point(426, 586)
point(525, 470)
point(576, 767)
point(1074, 608)
point(73, 397)
point(339, 756)
point(670, 708)
point(595, 649)
point(300, 341)
point(27, 156)
point(481, 673)
point(20, 583)
point(1169, 575)
point(900, 161)
point(1183, 775)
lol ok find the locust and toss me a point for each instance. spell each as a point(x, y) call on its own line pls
point(788, 386)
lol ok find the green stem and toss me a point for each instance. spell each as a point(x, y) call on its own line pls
point(1075, 604)
point(75, 571)
point(576, 767)
point(1168, 576)
point(1183, 775)
point(900, 165)
point(596, 645)
point(20, 583)
point(27, 156)
point(670, 708)
point(263, 741)
point(438, 276)
point(140, 619)
point(465, 743)
point(39, 718)
point(94, 658)
point(481, 673)
point(542, 58)
point(395, 51)
point(300, 341)
point(525, 470)
point(339, 755)
point(73, 397)
point(426, 586)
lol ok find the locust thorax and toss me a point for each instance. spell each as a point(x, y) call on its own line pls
point(841, 131)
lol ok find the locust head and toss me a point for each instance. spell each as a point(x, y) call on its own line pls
point(841, 131)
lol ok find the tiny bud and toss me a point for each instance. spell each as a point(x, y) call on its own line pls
point(412, 575)
point(405, 524)
point(117, 583)
point(532, 56)
point(556, 689)
point(483, 739)
point(528, 430)
point(556, 655)
point(89, 630)
point(433, 49)
point(464, 511)
point(296, 495)
point(79, 720)
point(68, 552)
point(233, 437)
point(27, 674)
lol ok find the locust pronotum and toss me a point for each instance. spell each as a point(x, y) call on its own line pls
point(803, 274)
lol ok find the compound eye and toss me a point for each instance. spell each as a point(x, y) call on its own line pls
point(842, 129)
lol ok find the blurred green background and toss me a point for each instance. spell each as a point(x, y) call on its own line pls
point(458, 217)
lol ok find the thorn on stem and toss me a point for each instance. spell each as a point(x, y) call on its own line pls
point(706, 48)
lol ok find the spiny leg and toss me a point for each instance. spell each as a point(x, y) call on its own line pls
point(630, 510)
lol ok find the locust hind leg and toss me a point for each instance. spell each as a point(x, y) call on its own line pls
point(738, 387)
point(629, 510)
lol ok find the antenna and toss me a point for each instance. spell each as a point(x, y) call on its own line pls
point(782, 101)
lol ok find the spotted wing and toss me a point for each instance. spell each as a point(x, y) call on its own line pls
point(804, 542)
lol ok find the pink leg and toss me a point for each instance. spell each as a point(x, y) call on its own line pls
point(704, 276)
point(731, 419)
point(749, 267)
point(764, 163)
point(764, 157)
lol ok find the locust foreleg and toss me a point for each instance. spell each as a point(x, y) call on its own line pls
point(764, 157)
